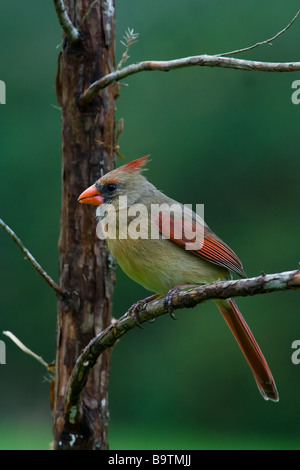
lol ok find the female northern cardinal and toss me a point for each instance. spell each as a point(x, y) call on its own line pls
point(160, 264)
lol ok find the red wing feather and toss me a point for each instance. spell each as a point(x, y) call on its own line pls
point(216, 251)
point(213, 248)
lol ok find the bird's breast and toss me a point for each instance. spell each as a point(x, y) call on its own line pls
point(159, 265)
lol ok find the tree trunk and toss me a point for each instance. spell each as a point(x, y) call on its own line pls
point(84, 261)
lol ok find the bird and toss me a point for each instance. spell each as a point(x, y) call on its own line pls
point(170, 261)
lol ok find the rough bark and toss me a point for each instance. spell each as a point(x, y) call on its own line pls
point(84, 262)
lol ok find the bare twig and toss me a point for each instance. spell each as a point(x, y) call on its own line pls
point(31, 259)
point(25, 349)
point(267, 41)
point(89, 10)
point(71, 32)
point(129, 39)
point(183, 299)
point(200, 60)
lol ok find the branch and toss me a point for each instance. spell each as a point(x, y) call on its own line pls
point(217, 60)
point(267, 41)
point(71, 32)
point(26, 350)
point(182, 299)
point(32, 260)
point(201, 60)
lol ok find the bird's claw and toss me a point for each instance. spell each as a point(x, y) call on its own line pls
point(172, 291)
point(135, 310)
point(169, 302)
point(140, 305)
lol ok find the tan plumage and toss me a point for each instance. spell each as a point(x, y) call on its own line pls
point(161, 264)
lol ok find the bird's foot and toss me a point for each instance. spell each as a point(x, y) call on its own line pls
point(168, 301)
point(140, 305)
point(171, 292)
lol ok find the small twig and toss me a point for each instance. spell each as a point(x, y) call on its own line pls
point(267, 41)
point(71, 32)
point(25, 349)
point(120, 129)
point(85, 17)
point(130, 38)
point(183, 299)
point(31, 259)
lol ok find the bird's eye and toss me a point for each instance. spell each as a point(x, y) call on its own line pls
point(111, 187)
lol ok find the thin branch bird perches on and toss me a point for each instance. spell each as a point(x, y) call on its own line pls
point(262, 284)
point(265, 283)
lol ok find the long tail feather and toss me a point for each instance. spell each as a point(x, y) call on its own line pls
point(250, 349)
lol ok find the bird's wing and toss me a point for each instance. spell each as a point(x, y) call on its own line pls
point(211, 247)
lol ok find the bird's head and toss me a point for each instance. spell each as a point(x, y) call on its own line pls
point(124, 181)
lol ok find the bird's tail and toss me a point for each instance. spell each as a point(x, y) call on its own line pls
point(250, 349)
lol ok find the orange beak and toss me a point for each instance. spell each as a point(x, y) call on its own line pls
point(91, 196)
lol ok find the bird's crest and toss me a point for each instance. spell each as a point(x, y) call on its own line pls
point(135, 165)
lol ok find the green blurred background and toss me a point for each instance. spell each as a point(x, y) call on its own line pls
point(225, 138)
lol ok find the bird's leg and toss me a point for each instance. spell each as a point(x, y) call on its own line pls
point(140, 305)
point(174, 290)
